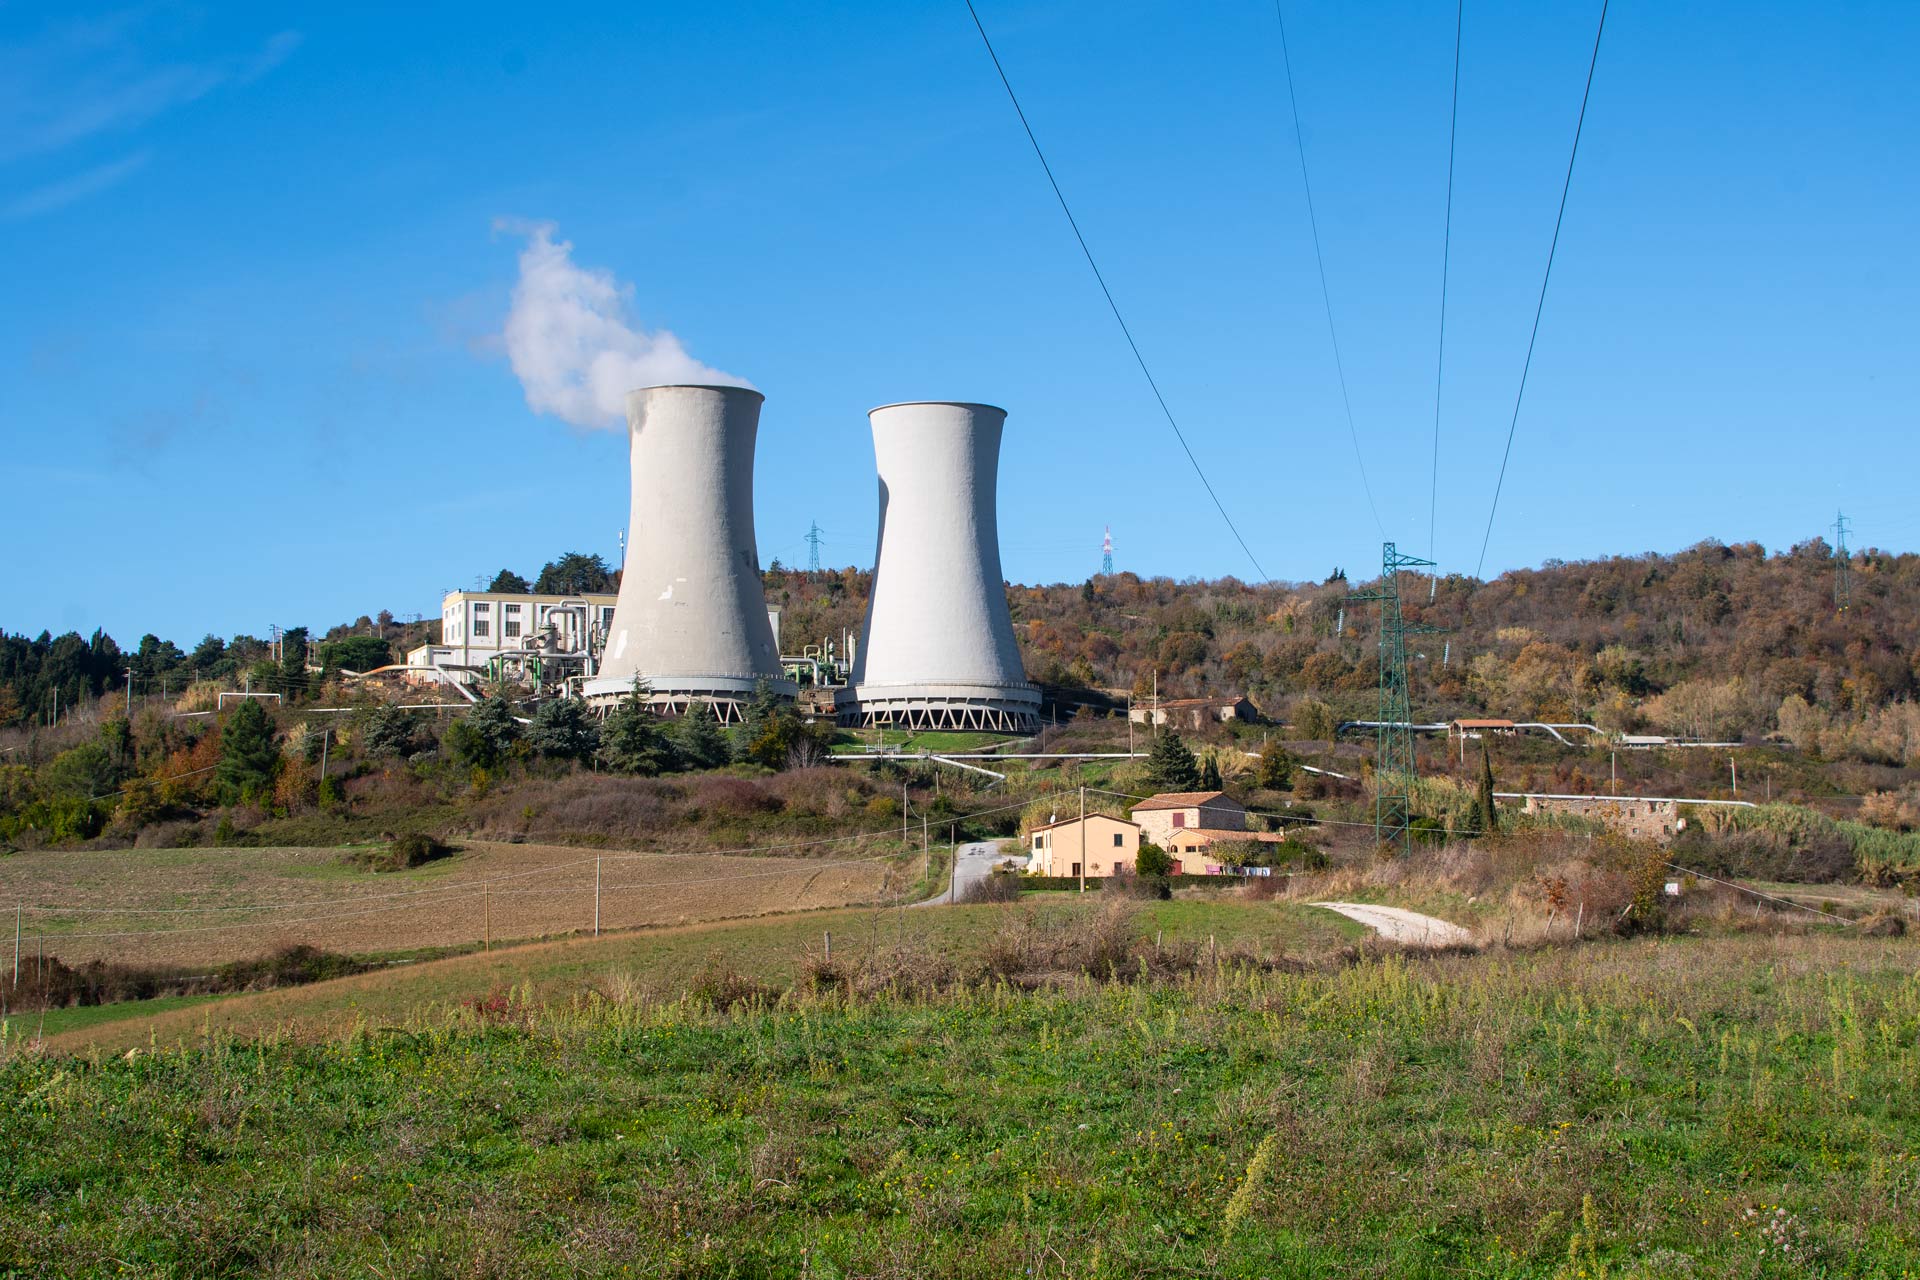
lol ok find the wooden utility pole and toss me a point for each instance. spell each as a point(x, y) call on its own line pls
point(1083, 838)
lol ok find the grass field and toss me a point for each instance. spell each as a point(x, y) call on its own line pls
point(660, 963)
point(1713, 1107)
point(206, 905)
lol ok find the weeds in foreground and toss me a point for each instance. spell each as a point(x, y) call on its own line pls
point(1615, 1110)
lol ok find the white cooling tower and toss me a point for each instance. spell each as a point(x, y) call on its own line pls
point(692, 616)
point(939, 651)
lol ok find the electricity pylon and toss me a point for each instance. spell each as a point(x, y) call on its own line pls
point(1106, 553)
point(1393, 763)
point(813, 547)
point(1843, 566)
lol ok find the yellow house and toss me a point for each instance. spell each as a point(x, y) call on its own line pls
point(1108, 846)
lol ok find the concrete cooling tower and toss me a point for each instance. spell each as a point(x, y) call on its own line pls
point(691, 618)
point(939, 650)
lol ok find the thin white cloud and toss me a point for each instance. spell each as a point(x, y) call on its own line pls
point(82, 79)
point(572, 342)
point(58, 195)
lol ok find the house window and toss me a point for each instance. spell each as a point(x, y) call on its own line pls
point(1036, 841)
point(1118, 869)
point(1119, 840)
point(1179, 819)
point(1075, 871)
point(481, 623)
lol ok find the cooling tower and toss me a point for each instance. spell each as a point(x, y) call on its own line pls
point(691, 618)
point(939, 650)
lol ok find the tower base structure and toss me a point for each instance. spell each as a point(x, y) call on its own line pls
point(727, 695)
point(994, 708)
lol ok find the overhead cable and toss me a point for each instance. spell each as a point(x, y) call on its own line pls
point(1108, 294)
point(1540, 305)
point(1446, 257)
point(1326, 294)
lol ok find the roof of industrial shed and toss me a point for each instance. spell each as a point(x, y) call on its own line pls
point(1182, 800)
point(1483, 724)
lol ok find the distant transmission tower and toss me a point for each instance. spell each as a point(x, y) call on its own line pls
point(1393, 765)
point(813, 547)
point(1843, 566)
point(1106, 552)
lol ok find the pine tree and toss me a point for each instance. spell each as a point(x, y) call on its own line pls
point(491, 732)
point(248, 757)
point(563, 729)
point(1170, 766)
point(1487, 817)
point(631, 739)
point(700, 740)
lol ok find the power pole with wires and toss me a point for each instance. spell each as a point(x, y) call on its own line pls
point(813, 547)
point(1106, 553)
point(1393, 764)
point(1842, 566)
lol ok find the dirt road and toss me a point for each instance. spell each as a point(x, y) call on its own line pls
point(1399, 925)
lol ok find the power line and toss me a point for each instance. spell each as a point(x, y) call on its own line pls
point(1541, 305)
point(1326, 295)
point(1446, 259)
point(1108, 294)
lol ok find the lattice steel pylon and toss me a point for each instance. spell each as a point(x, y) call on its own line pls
point(1106, 553)
point(1393, 764)
point(813, 546)
point(1842, 565)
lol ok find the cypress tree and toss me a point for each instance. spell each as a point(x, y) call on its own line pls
point(1210, 773)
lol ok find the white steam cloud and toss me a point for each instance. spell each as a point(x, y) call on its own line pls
point(573, 344)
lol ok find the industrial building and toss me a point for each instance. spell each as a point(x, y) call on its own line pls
point(691, 616)
point(540, 640)
point(938, 650)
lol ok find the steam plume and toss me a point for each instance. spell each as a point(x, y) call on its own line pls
point(572, 342)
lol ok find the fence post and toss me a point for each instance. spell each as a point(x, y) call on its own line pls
point(16, 944)
point(596, 897)
point(486, 936)
point(829, 935)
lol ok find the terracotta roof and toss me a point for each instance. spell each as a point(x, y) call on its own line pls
point(1062, 822)
point(1180, 800)
point(1209, 835)
point(1484, 724)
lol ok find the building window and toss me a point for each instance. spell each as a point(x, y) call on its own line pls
point(510, 629)
point(1119, 840)
point(1179, 819)
point(1075, 871)
point(1036, 841)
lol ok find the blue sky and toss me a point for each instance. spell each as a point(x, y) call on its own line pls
point(251, 366)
